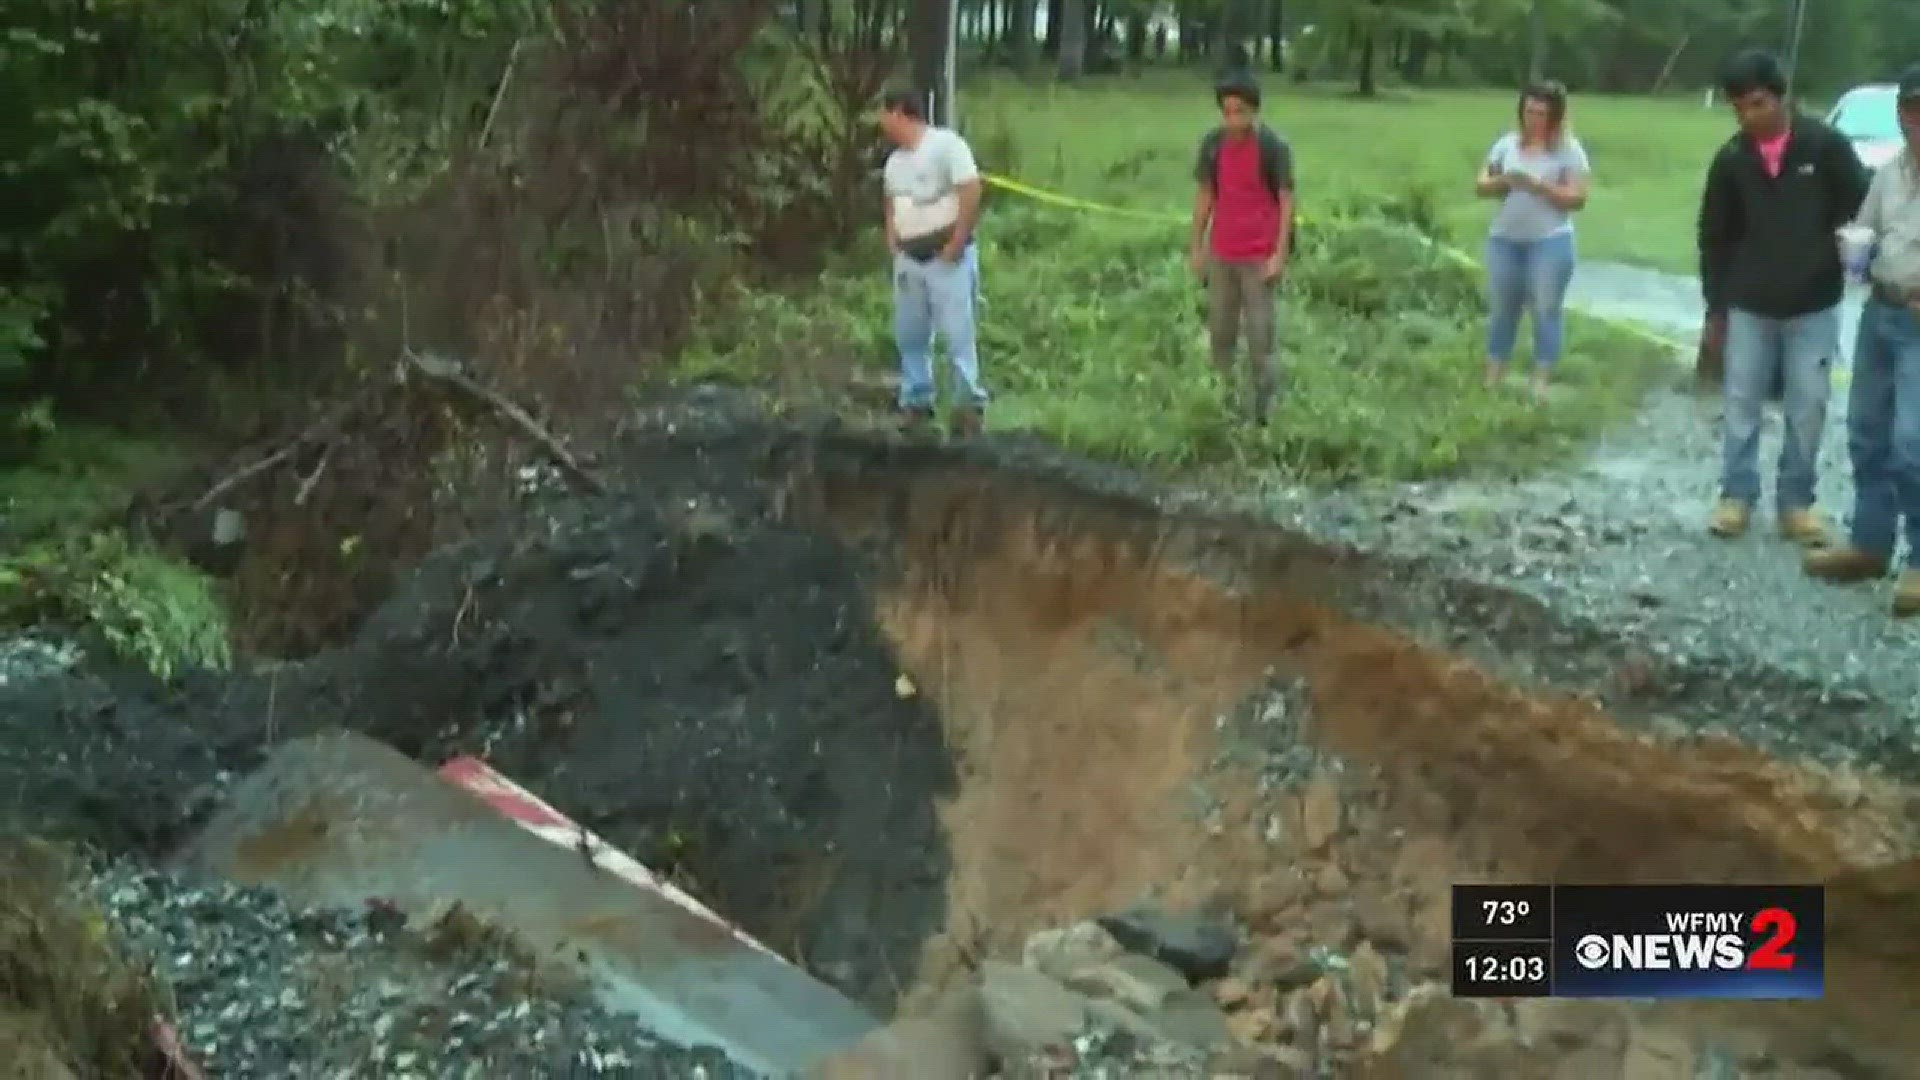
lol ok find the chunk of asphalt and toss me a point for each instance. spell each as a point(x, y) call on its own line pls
point(1197, 947)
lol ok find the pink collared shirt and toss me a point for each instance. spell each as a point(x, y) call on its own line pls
point(1773, 151)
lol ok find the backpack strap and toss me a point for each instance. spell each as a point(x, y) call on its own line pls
point(1208, 169)
point(1271, 152)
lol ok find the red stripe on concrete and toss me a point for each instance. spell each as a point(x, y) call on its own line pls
point(529, 811)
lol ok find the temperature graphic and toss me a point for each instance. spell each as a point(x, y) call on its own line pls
point(1505, 912)
point(1502, 912)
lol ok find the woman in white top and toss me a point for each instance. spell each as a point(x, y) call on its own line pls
point(1539, 172)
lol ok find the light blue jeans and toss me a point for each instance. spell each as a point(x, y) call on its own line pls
point(1531, 275)
point(937, 297)
point(1797, 353)
point(1883, 430)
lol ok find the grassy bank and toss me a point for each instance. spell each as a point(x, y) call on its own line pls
point(1093, 335)
point(1130, 141)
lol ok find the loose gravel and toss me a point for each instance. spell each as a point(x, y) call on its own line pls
point(266, 990)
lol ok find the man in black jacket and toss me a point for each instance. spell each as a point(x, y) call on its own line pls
point(1770, 269)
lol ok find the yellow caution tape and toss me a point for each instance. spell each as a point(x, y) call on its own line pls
point(1054, 198)
point(1071, 203)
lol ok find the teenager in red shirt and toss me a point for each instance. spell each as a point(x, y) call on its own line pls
point(1242, 228)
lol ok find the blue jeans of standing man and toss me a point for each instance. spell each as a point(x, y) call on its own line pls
point(1883, 430)
point(1531, 275)
point(1799, 353)
point(929, 297)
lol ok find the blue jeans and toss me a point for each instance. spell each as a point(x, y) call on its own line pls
point(1883, 430)
point(1534, 275)
point(1798, 353)
point(929, 297)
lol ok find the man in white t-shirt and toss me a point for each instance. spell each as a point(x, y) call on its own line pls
point(932, 204)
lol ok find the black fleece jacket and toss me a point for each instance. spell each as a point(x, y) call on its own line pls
point(1766, 242)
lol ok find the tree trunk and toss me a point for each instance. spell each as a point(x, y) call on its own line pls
point(1137, 35)
point(1277, 34)
point(1073, 39)
point(1020, 34)
point(1537, 41)
point(927, 34)
point(1050, 45)
point(1367, 86)
point(1413, 67)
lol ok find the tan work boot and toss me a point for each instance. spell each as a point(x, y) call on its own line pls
point(968, 421)
point(1845, 565)
point(1806, 528)
point(1906, 595)
point(914, 418)
point(1730, 519)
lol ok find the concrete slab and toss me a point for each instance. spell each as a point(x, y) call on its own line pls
point(339, 819)
point(530, 812)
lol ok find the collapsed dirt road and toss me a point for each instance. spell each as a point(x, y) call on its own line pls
point(896, 708)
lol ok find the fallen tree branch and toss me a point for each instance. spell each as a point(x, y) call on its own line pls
point(307, 485)
point(319, 428)
point(450, 373)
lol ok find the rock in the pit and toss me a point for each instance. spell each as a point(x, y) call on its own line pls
point(1321, 814)
point(1196, 947)
point(1058, 953)
point(1658, 1054)
point(1026, 1011)
point(1367, 978)
point(1141, 983)
point(949, 1043)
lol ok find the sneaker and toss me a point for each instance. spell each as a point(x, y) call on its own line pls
point(1846, 565)
point(1906, 595)
point(1806, 528)
point(968, 421)
point(1730, 519)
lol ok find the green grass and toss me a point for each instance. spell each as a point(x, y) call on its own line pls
point(1093, 336)
point(1131, 142)
point(79, 475)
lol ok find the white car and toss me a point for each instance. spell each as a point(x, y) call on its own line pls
point(1870, 119)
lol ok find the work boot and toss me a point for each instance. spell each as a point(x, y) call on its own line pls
point(1846, 565)
point(1906, 595)
point(914, 418)
point(1730, 519)
point(968, 421)
point(1806, 528)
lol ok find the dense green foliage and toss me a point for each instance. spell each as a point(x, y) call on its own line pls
point(141, 131)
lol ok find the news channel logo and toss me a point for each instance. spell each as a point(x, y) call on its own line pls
point(1690, 941)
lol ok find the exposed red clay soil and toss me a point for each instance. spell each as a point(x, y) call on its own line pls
point(1083, 657)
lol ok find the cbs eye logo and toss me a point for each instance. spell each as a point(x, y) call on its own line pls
point(1592, 952)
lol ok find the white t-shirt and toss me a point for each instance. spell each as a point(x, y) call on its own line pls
point(1524, 215)
point(923, 182)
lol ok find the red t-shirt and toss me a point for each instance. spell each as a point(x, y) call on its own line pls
point(1246, 216)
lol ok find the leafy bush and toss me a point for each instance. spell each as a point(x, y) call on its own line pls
point(148, 608)
point(1093, 333)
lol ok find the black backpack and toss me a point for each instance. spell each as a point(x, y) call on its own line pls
point(1275, 158)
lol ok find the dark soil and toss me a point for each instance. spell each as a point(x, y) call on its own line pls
point(671, 665)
